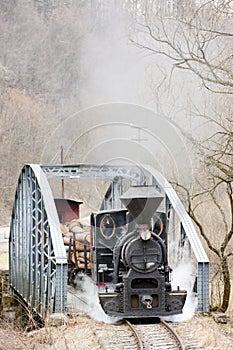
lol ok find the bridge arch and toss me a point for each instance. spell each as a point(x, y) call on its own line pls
point(37, 259)
point(181, 230)
point(38, 264)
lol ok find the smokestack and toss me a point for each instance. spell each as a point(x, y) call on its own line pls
point(142, 202)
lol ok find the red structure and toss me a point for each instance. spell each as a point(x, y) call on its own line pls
point(67, 209)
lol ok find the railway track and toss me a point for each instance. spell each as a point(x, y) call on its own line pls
point(117, 337)
point(158, 336)
point(190, 342)
point(128, 336)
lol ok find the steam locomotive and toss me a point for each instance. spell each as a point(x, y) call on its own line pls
point(129, 264)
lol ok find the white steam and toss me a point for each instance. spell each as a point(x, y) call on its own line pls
point(183, 277)
point(86, 299)
point(114, 68)
point(94, 309)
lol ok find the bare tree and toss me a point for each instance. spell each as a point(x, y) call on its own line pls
point(198, 39)
point(218, 191)
point(194, 38)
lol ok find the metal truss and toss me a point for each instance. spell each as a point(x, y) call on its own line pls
point(38, 265)
point(102, 172)
point(183, 237)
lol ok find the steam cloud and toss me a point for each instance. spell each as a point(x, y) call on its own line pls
point(182, 276)
point(88, 301)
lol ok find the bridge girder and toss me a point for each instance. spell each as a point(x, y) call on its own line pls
point(37, 259)
point(38, 264)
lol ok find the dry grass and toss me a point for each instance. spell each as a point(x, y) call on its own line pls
point(11, 338)
point(76, 333)
point(211, 335)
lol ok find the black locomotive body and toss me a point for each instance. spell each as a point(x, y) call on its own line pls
point(129, 258)
point(129, 264)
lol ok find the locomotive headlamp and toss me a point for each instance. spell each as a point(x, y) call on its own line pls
point(145, 235)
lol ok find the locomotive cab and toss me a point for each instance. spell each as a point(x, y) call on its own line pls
point(106, 228)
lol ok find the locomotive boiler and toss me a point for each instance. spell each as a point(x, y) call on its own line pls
point(128, 258)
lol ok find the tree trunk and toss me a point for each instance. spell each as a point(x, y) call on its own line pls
point(227, 284)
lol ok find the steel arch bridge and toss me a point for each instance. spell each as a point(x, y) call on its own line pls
point(37, 257)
